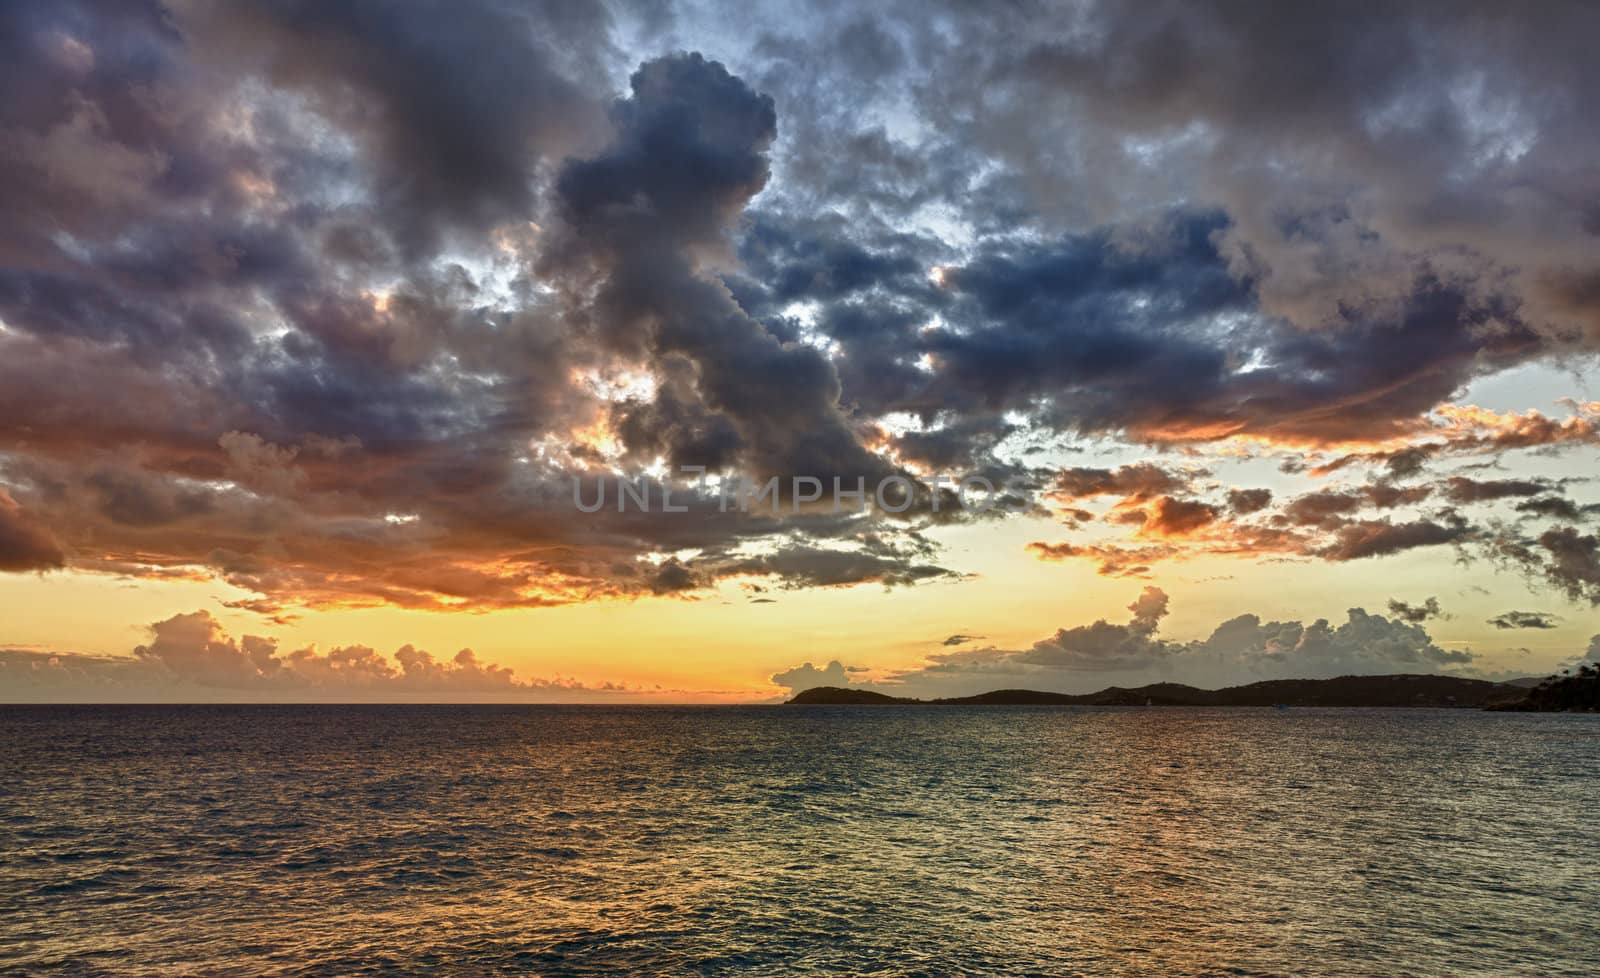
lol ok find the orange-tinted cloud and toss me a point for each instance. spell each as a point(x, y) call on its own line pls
point(24, 545)
point(191, 655)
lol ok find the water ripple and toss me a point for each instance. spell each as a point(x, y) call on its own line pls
point(299, 841)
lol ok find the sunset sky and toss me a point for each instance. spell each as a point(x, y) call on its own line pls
point(1280, 324)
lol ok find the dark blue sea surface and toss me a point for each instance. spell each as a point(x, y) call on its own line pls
point(797, 841)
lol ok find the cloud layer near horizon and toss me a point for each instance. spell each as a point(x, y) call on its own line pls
point(1087, 658)
point(190, 656)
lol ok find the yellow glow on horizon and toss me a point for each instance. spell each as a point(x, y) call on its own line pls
point(721, 646)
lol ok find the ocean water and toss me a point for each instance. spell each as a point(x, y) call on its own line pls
point(797, 841)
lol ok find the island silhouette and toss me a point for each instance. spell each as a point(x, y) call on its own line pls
point(1403, 690)
point(1566, 692)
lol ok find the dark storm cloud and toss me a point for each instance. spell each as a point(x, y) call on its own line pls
point(1377, 538)
point(870, 285)
point(74, 112)
point(1383, 495)
point(1572, 562)
point(23, 544)
point(643, 221)
point(1477, 435)
point(1525, 619)
point(1172, 517)
point(1243, 502)
point(964, 446)
point(1147, 331)
point(230, 210)
point(456, 103)
point(1154, 366)
point(674, 576)
point(1416, 614)
point(1322, 508)
point(329, 300)
point(1349, 146)
point(676, 425)
point(1369, 201)
point(286, 328)
point(1554, 507)
point(1138, 482)
point(1332, 508)
point(1325, 525)
point(135, 498)
point(1396, 204)
point(828, 258)
point(1460, 489)
point(803, 566)
point(1561, 556)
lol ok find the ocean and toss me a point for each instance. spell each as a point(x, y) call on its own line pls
point(561, 840)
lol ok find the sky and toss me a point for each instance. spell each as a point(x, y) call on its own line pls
point(323, 325)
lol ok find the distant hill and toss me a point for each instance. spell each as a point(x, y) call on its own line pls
point(1351, 691)
point(1570, 692)
point(836, 696)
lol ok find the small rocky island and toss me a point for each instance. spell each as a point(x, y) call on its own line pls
point(1345, 691)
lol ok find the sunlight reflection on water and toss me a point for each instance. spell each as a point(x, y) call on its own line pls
point(796, 840)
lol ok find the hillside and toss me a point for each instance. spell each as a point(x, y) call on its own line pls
point(835, 696)
point(1345, 691)
point(1575, 692)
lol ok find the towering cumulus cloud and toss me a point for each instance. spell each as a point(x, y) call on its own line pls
point(647, 224)
point(191, 656)
point(1089, 657)
point(298, 326)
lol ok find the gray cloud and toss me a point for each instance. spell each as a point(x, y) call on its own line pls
point(808, 676)
point(1104, 646)
point(332, 300)
point(190, 655)
point(24, 545)
point(1525, 619)
point(1242, 649)
point(1460, 489)
point(1243, 502)
point(1561, 556)
point(455, 104)
point(1377, 538)
point(797, 565)
point(1416, 613)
